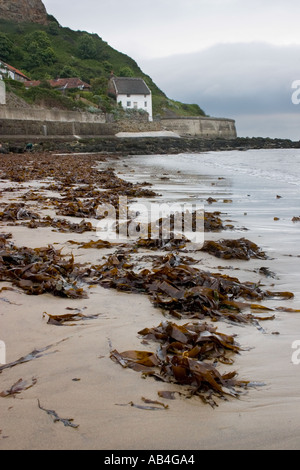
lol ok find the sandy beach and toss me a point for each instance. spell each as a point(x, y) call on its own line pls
point(72, 373)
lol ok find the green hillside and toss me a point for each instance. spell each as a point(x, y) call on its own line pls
point(45, 52)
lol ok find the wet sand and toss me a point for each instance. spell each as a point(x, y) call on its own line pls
point(77, 379)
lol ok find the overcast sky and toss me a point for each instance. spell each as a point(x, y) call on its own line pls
point(235, 58)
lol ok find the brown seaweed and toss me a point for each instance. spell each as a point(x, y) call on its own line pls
point(16, 211)
point(197, 340)
point(184, 290)
point(81, 186)
point(35, 354)
point(234, 249)
point(213, 222)
point(202, 378)
point(60, 225)
point(98, 244)
point(68, 422)
point(18, 387)
point(40, 270)
point(68, 317)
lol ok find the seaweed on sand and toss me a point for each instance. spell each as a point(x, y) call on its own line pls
point(61, 225)
point(40, 270)
point(185, 291)
point(238, 249)
point(19, 214)
point(187, 356)
point(16, 211)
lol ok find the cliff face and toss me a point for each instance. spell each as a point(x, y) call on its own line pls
point(20, 11)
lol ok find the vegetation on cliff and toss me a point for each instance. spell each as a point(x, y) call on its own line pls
point(49, 51)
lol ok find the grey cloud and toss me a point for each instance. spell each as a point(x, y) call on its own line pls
point(251, 77)
point(251, 81)
point(156, 28)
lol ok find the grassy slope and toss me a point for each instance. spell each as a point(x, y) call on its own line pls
point(65, 43)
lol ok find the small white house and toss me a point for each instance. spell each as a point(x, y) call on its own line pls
point(132, 93)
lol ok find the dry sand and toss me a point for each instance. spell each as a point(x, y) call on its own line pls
point(77, 379)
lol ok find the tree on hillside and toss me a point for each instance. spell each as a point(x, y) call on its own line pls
point(39, 49)
point(126, 72)
point(68, 72)
point(86, 47)
point(6, 47)
point(99, 85)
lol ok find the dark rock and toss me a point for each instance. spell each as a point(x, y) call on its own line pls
point(3, 149)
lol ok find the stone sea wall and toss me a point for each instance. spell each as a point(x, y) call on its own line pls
point(202, 126)
point(52, 115)
point(38, 122)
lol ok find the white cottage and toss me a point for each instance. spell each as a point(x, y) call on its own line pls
point(132, 93)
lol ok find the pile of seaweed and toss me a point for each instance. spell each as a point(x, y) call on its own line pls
point(40, 270)
point(187, 356)
point(185, 291)
point(234, 249)
point(80, 184)
point(82, 188)
point(19, 214)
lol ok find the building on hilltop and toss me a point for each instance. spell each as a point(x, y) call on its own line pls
point(131, 93)
point(7, 71)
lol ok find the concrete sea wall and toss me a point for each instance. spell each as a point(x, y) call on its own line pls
point(52, 115)
point(201, 126)
point(47, 123)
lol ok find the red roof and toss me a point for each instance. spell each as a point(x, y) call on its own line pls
point(13, 69)
point(68, 83)
point(29, 83)
point(61, 83)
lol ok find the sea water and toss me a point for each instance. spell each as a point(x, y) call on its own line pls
point(261, 185)
point(257, 191)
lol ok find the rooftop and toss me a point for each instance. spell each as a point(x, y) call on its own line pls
point(14, 70)
point(61, 83)
point(130, 86)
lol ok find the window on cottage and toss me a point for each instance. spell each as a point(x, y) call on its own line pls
point(135, 105)
point(146, 104)
point(128, 104)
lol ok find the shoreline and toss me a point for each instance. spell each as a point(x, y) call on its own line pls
point(77, 378)
point(140, 145)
